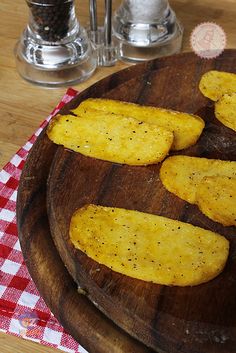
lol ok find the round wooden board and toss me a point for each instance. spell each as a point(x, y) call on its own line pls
point(168, 319)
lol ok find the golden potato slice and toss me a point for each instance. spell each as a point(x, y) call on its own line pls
point(148, 247)
point(117, 139)
point(215, 84)
point(186, 127)
point(216, 198)
point(182, 175)
point(225, 110)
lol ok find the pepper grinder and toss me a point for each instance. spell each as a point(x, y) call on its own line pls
point(54, 50)
point(146, 30)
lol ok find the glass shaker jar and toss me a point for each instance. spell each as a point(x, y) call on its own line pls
point(54, 49)
point(146, 30)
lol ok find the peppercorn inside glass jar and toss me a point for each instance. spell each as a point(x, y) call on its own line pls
point(52, 22)
point(54, 49)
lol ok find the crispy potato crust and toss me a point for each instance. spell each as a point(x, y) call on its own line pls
point(116, 139)
point(216, 198)
point(214, 84)
point(225, 110)
point(148, 247)
point(186, 127)
point(182, 175)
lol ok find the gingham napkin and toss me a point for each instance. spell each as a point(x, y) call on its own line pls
point(22, 311)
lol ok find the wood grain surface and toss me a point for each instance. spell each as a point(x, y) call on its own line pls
point(21, 116)
point(197, 318)
point(82, 319)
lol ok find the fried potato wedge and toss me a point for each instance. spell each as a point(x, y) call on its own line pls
point(225, 110)
point(116, 139)
point(148, 247)
point(186, 127)
point(216, 198)
point(214, 84)
point(182, 175)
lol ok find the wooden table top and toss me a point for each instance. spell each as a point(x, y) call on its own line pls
point(24, 106)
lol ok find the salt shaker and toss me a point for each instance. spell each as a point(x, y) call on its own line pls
point(54, 49)
point(146, 30)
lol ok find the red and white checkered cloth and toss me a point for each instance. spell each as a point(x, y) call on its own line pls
point(22, 311)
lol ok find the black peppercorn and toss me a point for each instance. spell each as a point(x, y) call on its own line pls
point(52, 18)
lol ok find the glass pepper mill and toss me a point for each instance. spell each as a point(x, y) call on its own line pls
point(54, 49)
point(145, 30)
